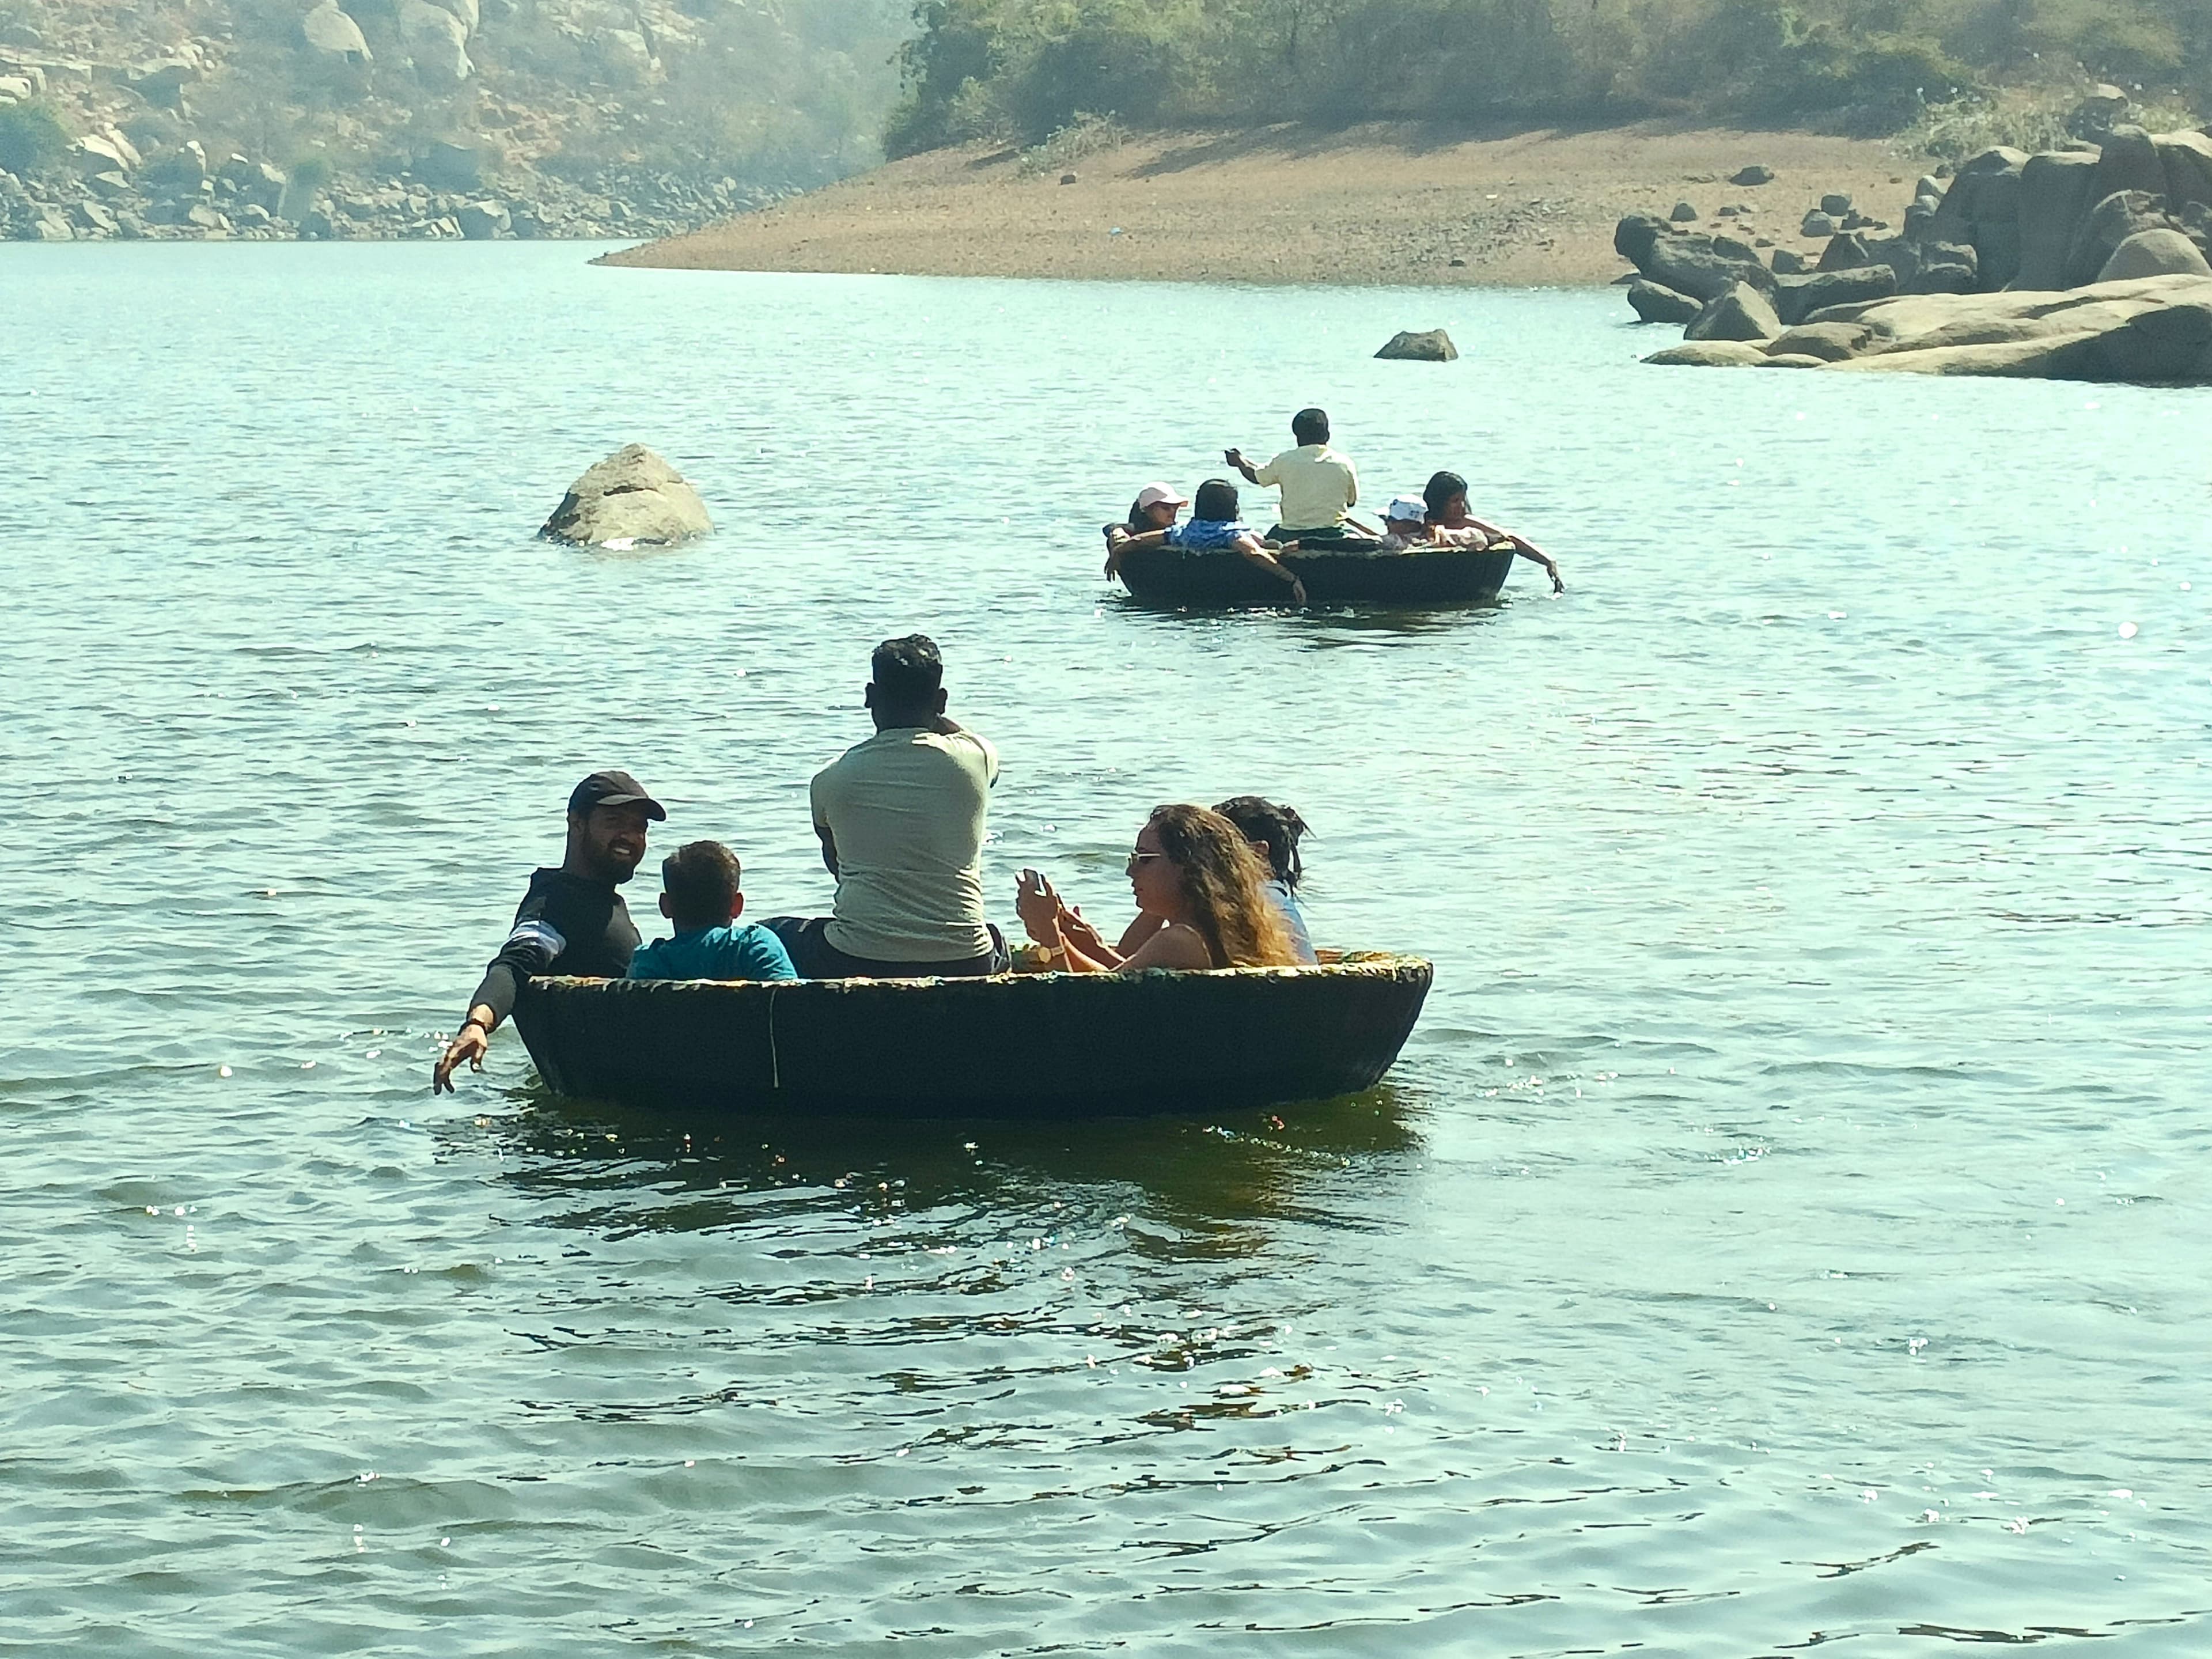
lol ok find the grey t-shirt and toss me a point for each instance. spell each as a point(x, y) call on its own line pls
point(905, 811)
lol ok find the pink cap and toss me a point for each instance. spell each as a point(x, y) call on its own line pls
point(1159, 494)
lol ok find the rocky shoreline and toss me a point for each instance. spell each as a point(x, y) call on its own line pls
point(2090, 262)
point(109, 194)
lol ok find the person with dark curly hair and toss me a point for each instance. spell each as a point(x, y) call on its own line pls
point(1193, 870)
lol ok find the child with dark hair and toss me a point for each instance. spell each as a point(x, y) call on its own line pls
point(701, 895)
point(1214, 528)
point(1275, 831)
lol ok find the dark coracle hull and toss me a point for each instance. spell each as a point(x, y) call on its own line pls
point(1169, 577)
point(1040, 1046)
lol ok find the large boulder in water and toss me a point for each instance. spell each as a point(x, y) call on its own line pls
point(631, 499)
point(1711, 354)
point(1655, 304)
point(2154, 253)
point(1428, 346)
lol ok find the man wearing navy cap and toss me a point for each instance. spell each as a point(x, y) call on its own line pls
point(571, 921)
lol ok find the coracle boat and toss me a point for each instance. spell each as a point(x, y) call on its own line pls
point(1353, 574)
point(1039, 1046)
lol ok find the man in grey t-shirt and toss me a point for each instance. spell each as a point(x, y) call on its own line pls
point(901, 818)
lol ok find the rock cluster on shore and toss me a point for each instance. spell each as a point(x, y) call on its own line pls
point(2093, 262)
point(188, 196)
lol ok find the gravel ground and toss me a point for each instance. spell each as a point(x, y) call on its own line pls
point(1390, 204)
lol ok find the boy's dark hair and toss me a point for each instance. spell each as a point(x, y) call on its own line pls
point(1440, 488)
point(1278, 829)
point(702, 878)
point(1216, 501)
point(1311, 425)
point(907, 670)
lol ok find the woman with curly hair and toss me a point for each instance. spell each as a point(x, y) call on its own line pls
point(1193, 870)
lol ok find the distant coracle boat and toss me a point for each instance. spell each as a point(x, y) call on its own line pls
point(1425, 576)
point(1036, 1046)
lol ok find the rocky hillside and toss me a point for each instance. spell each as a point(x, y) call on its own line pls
point(380, 119)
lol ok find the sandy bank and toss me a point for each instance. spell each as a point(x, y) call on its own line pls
point(1286, 204)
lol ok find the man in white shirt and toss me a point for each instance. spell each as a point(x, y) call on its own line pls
point(1319, 485)
point(901, 818)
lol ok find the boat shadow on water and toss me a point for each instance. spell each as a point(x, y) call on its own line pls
point(624, 1170)
point(1325, 627)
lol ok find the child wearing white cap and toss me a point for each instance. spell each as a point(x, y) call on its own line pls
point(1406, 525)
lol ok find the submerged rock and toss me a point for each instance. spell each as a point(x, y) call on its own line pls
point(1430, 346)
point(631, 499)
point(1655, 304)
point(1710, 354)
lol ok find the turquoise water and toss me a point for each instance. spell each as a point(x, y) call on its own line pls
point(1786, 1227)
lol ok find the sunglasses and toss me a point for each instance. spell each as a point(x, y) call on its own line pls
point(1141, 857)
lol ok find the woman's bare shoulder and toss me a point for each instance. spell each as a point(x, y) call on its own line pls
point(1178, 944)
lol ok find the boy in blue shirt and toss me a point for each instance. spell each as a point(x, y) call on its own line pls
point(701, 896)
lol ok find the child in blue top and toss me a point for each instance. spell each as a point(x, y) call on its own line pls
point(701, 896)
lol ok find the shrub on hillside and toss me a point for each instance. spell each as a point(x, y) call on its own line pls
point(32, 137)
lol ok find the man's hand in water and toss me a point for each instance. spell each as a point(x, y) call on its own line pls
point(469, 1044)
